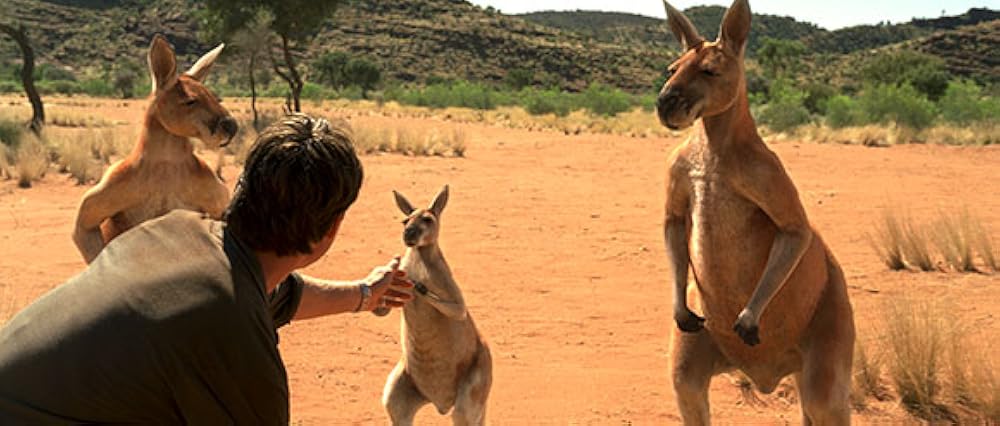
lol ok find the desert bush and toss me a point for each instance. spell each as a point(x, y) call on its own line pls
point(816, 97)
point(362, 73)
point(605, 100)
point(899, 104)
point(329, 69)
point(964, 103)
point(519, 78)
point(97, 87)
point(9, 87)
point(540, 102)
point(32, 157)
point(842, 111)
point(888, 240)
point(785, 110)
point(11, 131)
point(457, 94)
point(925, 73)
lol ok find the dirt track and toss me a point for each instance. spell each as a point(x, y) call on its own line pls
point(557, 243)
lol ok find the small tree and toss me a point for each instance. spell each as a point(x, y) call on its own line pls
point(520, 78)
point(363, 73)
point(253, 41)
point(295, 22)
point(20, 36)
point(778, 57)
point(330, 69)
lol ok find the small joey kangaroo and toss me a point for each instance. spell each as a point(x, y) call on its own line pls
point(445, 360)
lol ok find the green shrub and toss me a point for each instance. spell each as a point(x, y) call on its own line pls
point(9, 87)
point(549, 101)
point(606, 101)
point(458, 94)
point(963, 103)
point(785, 109)
point(816, 96)
point(50, 72)
point(519, 78)
point(97, 87)
point(842, 111)
point(926, 73)
point(46, 87)
point(329, 69)
point(901, 104)
point(11, 132)
point(362, 73)
point(314, 92)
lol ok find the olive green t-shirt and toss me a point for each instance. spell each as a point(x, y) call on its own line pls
point(171, 324)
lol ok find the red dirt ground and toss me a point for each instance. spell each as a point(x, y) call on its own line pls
point(556, 242)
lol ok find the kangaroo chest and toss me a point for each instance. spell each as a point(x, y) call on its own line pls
point(165, 187)
point(729, 241)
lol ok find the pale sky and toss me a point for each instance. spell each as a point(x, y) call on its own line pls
point(827, 14)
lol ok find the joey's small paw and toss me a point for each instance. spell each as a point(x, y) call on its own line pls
point(688, 322)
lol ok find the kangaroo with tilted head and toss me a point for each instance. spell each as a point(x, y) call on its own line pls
point(445, 361)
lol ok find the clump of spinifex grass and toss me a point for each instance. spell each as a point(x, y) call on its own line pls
point(953, 235)
point(956, 236)
point(32, 157)
point(867, 381)
point(888, 240)
point(917, 337)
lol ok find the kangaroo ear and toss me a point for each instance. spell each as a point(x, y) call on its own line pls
point(403, 203)
point(200, 69)
point(736, 27)
point(687, 35)
point(162, 63)
point(440, 201)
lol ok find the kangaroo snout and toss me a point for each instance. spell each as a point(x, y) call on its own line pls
point(411, 236)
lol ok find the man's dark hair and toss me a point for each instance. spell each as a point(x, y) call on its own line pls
point(300, 175)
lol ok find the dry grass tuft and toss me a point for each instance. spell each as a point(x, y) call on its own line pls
point(888, 241)
point(915, 246)
point(953, 236)
point(917, 336)
point(956, 235)
point(6, 160)
point(61, 117)
point(867, 381)
point(32, 158)
point(883, 135)
point(411, 141)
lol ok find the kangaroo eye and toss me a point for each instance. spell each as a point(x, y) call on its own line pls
point(190, 102)
point(709, 72)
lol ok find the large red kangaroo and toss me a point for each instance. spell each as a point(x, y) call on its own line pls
point(162, 172)
point(773, 297)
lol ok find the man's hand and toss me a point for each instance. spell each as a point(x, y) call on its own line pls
point(390, 288)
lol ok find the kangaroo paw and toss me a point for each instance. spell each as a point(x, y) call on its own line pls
point(688, 322)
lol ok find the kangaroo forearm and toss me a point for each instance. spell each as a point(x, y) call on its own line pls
point(786, 252)
point(89, 242)
point(677, 245)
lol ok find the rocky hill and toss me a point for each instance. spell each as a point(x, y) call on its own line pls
point(417, 40)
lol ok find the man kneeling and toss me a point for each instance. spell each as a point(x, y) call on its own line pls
point(175, 321)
